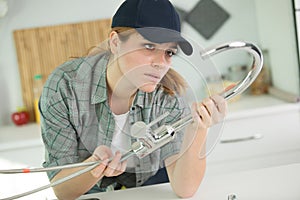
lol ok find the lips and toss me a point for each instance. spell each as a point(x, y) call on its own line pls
point(153, 77)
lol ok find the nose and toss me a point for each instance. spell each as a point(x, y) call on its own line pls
point(157, 67)
point(160, 59)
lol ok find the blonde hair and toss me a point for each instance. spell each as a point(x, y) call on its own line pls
point(173, 83)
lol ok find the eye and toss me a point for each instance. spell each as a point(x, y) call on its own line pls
point(149, 46)
point(170, 52)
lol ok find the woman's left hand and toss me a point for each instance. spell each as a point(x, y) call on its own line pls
point(210, 111)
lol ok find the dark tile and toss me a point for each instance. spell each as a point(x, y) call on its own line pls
point(207, 17)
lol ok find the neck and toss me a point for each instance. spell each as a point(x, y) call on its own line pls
point(120, 91)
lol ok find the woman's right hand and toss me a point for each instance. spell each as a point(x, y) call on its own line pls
point(106, 168)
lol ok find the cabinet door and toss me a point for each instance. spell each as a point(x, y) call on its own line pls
point(239, 150)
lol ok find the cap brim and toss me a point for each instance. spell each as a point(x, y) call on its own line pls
point(163, 35)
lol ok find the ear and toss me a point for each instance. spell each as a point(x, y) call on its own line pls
point(114, 42)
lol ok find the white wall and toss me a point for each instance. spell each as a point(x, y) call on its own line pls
point(22, 14)
point(277, 34)
point(241, 25)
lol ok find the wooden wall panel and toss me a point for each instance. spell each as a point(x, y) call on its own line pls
point(41, 50)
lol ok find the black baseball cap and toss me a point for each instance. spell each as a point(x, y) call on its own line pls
point(156, 20)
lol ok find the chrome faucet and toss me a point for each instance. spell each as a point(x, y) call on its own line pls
point(149, 140)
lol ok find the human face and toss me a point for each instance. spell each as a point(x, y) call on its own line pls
point(144, 63)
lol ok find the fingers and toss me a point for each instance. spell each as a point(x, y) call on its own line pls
point(103, 152)
point(97, 172)
point(210, 111)
point(221, 104)
point(113, 166)
point(230, 86)
point(108, 167)
point(201, 115)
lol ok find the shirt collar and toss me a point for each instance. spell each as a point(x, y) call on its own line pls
point(139, 99)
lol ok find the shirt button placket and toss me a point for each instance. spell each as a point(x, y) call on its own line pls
point(139, 176)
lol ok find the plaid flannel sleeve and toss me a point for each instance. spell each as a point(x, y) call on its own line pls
point(58, 133)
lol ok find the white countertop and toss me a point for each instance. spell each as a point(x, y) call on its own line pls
point(247, 106)
point(276, 183)
point(13, 184)
point(14, 137)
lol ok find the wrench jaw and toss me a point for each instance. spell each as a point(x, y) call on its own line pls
point(139, 148)
point(153, 140)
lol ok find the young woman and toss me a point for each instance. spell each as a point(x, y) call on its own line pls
point(89, 104)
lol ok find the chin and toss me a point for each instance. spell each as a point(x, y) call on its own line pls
point(148, 88)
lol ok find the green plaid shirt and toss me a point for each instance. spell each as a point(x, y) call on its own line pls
point(76, 117)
